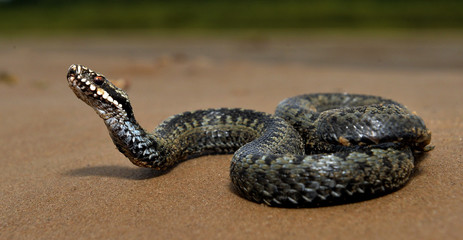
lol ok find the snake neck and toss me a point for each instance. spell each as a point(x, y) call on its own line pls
point(141, 147)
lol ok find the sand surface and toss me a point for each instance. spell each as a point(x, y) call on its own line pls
point(62, 178)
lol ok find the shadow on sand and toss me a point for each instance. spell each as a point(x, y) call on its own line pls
point(133, 173)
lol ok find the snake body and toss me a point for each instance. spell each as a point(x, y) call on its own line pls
point(315, 149)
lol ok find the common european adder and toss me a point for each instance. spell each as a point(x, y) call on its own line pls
point(315, 149)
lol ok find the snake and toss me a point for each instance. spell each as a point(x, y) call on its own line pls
point(316, 149)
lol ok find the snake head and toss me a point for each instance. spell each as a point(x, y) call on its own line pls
point(98, 92)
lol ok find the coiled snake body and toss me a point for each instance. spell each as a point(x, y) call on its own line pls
point(316, 149)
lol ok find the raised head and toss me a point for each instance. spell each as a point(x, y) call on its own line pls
point(94, 89)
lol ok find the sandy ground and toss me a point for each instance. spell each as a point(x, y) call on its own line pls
point(62, 178)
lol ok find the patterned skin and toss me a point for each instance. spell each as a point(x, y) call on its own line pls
point(317, 149)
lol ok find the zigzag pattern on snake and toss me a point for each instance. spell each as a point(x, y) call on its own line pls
point(316, 149)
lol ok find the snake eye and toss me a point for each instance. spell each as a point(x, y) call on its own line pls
point(99, 80)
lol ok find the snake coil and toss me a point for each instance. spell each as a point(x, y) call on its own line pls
point(315, 149)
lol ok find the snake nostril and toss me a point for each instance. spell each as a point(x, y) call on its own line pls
point(72, 70)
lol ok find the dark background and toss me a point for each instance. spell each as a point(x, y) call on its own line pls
point(56, 15)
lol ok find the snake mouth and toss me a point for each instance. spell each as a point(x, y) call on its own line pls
point(88, 85)
point(98, 92)
point(79, 78)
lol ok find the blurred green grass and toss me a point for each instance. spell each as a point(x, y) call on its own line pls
point(61, 16)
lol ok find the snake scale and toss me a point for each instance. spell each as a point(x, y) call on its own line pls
point(316, 148)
